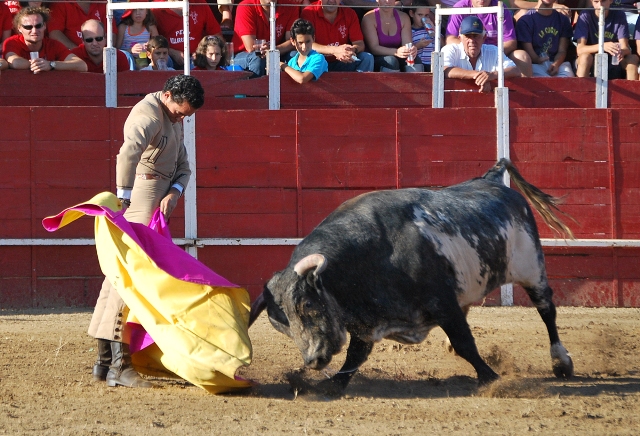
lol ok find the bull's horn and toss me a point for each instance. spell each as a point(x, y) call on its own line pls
point(317, 261)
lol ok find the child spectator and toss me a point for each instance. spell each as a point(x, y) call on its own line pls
point(422, 39)
point(307, 64)
point(158, 54)
point(211, 54)
point(135, 29)
point(616, 42)
point(170, 24)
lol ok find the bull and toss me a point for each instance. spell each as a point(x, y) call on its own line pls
point(394, 264)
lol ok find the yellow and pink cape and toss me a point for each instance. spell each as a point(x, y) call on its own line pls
point(198, 320)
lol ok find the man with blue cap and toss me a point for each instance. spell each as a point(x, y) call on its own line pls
point(473, 60)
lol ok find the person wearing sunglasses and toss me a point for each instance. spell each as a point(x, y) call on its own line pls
point(91, 51)
point(32, 50)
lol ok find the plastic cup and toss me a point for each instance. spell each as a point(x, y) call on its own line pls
point(33, 55)
point(257, 46)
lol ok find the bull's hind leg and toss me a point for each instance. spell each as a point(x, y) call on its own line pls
point(454, 323)
point(561, 361)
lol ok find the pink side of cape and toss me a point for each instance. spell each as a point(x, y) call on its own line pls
point(163, 252)
point(157, 244)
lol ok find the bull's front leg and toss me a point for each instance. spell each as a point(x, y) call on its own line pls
point(452, 319)
point(357, 354)
point(560, 358)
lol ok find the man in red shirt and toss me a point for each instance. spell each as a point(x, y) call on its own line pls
point(92, 50)
point(252, 22)
point(51, 54)
point(67, 18)
point(202, 23)
point(338, 36)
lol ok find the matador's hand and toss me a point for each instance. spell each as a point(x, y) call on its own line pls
point(169, 202)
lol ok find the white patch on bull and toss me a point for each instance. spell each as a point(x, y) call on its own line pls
point(523, 263)
point(461, 255)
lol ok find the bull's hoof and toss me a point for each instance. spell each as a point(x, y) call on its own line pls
point(561, 361)
point(487, 378)
point(562, 369)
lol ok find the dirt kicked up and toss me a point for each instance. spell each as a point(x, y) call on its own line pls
point(46, 386)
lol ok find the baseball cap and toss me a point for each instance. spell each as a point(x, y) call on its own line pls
point(471, 24)
point(127, 13)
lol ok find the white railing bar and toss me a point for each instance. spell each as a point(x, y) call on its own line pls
point(546, 242)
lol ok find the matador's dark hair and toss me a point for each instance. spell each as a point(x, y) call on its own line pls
point(185, 88)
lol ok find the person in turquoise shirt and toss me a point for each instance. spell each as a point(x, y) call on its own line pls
point(307, 64)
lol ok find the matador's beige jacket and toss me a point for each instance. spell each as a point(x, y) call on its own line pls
point(152, 145)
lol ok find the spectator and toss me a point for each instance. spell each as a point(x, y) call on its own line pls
point(422, 39)
point(91, 51)
point(202, 23)
point(307, 64)
point(252, 22)
point(15, 6)
point(152, 171)
point(225, 7)
point(527, 5)
point(158, 54)
point(211, 54)
point(490, 23)
point(135, 29)
point(67, 18)
point(616, 42)
point(471, 59)
point(630, 11)
point(545, 35)
point(31, 25)
point(338, 36)
point(387, 32)
point(5, 22)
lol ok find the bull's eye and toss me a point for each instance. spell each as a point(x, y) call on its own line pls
point(308, 304)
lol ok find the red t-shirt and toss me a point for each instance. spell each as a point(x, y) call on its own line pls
point(202, 23)
point(14, 7)
point(6, 19)
point(253, 20)
point(51, 49)
point(81, 52)
point(68, 18)
point(345, 29)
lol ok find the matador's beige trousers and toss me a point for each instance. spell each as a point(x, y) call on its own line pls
point(110, 313)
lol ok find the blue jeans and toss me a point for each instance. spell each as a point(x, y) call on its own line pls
point(365, 65)
point(391, 62)
point(251, 62)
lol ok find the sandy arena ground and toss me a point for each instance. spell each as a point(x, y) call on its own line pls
point(46, 387)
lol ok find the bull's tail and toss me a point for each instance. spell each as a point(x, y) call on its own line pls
point(545, 204)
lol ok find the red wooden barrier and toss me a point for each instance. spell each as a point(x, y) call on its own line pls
point(233, 90)
point(283, 176)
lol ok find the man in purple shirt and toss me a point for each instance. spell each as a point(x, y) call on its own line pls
point(545, 34)
point(490, 22)
point(616, 42)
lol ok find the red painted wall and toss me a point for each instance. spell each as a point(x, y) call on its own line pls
point(278, 173)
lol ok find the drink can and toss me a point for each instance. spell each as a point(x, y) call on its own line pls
point(410, 60)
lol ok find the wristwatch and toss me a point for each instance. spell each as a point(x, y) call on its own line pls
point(52, 64)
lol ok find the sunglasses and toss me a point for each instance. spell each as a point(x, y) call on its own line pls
point(31, 26)
point(90, 40)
